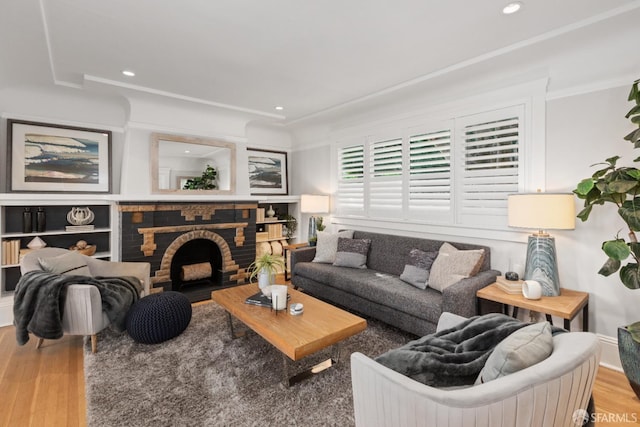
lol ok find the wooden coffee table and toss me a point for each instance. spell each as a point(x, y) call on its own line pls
point(320, 326)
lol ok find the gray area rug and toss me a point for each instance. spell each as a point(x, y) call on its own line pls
point(204, 378)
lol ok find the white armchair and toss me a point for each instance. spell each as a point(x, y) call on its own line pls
point(546, 394)
point(83, 314)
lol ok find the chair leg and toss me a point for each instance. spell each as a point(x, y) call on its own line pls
point(94, 343)
point(39, 342)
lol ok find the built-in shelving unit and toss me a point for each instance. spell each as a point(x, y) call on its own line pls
point(271, 233)
point(54, 233)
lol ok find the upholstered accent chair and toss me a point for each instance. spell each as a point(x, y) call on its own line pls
point(83, 314)
point(551, 393)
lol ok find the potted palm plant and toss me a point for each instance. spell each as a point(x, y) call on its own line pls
point(620, 186)
point(264, 268)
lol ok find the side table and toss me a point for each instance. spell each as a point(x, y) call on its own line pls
point(566, 306)
point(285, 254)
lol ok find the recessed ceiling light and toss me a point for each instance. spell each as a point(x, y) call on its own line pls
point(279, 108)
point(128, 73)
point(187, 151)
point(512, 8)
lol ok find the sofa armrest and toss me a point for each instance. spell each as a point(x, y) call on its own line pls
point(460, 298)
point(83, 311)
point(302, 255)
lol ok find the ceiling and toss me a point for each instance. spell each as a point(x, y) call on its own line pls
point(312, 57)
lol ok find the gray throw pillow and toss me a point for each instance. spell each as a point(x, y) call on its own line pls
point(71, 263)
point(352, 253)
point(416, 271)
point(327, 245)
point(522, 349)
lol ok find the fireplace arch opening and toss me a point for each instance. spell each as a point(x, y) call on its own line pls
point(196, 268)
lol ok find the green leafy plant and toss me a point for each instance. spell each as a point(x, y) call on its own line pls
point(291, 225)
point(620, 186)
point(319, 227)
point(267, 263)
point(206, 182)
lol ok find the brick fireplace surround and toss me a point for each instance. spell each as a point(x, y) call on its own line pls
point(223, 234)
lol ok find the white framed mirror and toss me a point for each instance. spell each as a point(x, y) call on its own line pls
point(179, 164)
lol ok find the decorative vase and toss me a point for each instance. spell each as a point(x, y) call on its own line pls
point(629, 351)
point(41, 220)
point(270, 213)
point(265, 279)
point(27, 221)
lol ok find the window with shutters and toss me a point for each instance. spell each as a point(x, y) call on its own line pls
point(489, 167)
point(457, 172)
point(385, 178)
point(350, 194)
point(429, 180)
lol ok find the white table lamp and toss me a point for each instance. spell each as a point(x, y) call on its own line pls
point(313, 204)
point(542, 211)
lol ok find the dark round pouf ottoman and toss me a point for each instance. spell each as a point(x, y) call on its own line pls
point(158, 317)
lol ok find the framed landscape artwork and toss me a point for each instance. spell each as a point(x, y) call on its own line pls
point(53, 158)
point(267, 172)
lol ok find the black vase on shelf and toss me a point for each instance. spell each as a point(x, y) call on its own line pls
point(27, 219)
point(41, 220)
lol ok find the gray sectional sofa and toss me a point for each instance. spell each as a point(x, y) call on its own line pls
point(378, 291)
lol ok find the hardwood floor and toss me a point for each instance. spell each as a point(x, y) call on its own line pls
point(45, 387)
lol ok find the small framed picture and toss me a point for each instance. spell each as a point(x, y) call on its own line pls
point(53, 158)
point(267, 172)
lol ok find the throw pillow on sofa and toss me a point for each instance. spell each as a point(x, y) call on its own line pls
point(352, 253)
point(71, 263)
point(522, 349)
point(452, 265)
point(416, 271)
point(327, 245)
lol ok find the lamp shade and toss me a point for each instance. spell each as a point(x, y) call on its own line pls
point(314, 204)
point(544, 211)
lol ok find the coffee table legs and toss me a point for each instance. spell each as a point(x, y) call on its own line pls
point(289, 380)
point(233, 332)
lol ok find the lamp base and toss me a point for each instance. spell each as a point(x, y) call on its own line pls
point(542, 265)
point(312, 235)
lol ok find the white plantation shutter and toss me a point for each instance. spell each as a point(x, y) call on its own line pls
point(350, 194)
point(429, 194)
point(385, 178)
point(489, 167)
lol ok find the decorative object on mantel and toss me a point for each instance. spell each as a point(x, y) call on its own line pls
point(314, 204)
point(267, 172)
point(44, 157)
point(36, 243)
point(270, 212)
point(620, 186)
point(84, 248)
point(80, 219)
point(543, 211)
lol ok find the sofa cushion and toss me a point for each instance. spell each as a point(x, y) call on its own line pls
point(373, 286)
point(352, 253)
point(327, 245)
point(71, 263)
point(416, 271)
point(522, 349)
point(452, 265)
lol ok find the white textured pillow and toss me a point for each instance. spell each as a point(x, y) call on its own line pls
point(71, 263)
point(452, 265)
point(327, 245)
point(523, 348)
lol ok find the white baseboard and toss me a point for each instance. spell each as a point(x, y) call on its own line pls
point(609, 358)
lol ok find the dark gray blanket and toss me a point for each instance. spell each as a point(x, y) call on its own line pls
point(452, 357)
point(40, 296)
